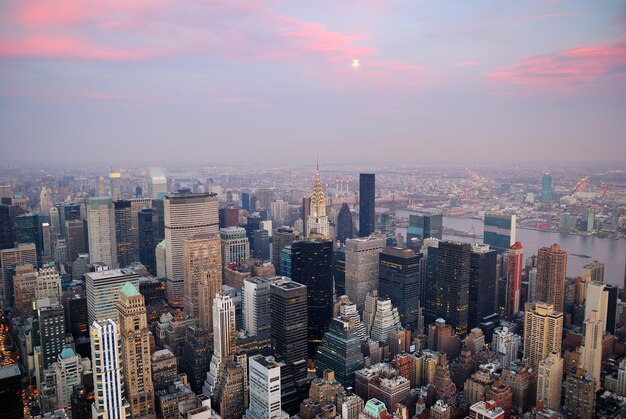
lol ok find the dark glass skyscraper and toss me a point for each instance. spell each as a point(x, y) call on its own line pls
point(6, 228)
point(423, 226)
point(399, 280)
point(28, 230)
point(499, 231)
point(283, 236)
point(546, 188)
point(367, 204)
point(124, 233)
point(340, 351)
point(344, 224)
point(260, 244)
point(482, 289)
point(147, 224)
point(289, 323)
point(447, 284)
point(311, 265)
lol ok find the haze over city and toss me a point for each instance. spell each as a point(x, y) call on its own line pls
point(272, 81)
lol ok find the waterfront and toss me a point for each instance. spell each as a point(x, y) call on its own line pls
point(611, 252)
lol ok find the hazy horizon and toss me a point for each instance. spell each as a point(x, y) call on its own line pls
point(274, 82)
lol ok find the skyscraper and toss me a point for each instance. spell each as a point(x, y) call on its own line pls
point(203, 276)
point(75, 239)
point(256, 309)
point(186, 215)
point(447, 284)
point(424, 226)
point(499, 230)
point(115, 182)
point(102, 289)
point(580, 395)
point(340, 351)
point(602, 297)
point(157, 183)
point(135, 337)
point(515, 265)
point(399, 273)
point(311, 265)
point(386, 321)
point(362, 265)
point(591, 357)
point(108, 376)
point(28, 230)
point(367, 204)
point(551, 268)
point(317, 220)
point(289, 319)
point(235, 245)
point(265, 397)
point(23, 253)
point(345, 224)
point(550, 381)
point(45, 201)
point(482, 288)
point(546, 188)
point(224, 332)
point(147, 229)
point(261, 244)
point(593, 271)
point(51, 329)
point(543, 329)
point(283, 236)
point(101, 226)
point(124, 233)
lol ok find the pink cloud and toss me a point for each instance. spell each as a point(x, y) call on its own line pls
point(467, 64)
point(68, 47)
point(563, 72)
point(231, 29)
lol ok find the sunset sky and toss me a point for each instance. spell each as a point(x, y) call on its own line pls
point(271, 81)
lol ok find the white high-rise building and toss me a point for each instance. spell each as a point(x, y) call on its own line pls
point(102, 290)
point(55, 222)
point(48, 284)
point(348, 309)
point(235, 245)
point(591, 357)
point(115, 182)
point(69, 373)
point(108, 374)
point(597, 299)
point(45, 201)
point(157, 183)
point(255, 306)
point(506, 344)
point(224, 333)
point(362, 260)
point(386, 321)
point(264, 388)
point(101, 228)
point(550, 381)
point(186, 215)
point(621, 377)
point(279, 211)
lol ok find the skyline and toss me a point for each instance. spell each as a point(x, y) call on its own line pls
point(201, 83)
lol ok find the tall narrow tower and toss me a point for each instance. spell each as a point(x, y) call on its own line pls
point(515, 264)
point(224, 332)
point(317, 221)
point(136, 351)
point(203, 276)
point(591, 359)
point(551, 267)
point(367, 203)
point(108, 376)
point(101, 227)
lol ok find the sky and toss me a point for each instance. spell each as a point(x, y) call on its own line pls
point(276, 82)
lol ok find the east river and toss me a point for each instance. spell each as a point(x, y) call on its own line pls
point(611, 252)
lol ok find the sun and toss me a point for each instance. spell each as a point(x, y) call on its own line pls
point(356, 63)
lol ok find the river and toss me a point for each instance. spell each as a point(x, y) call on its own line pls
point(611, 252)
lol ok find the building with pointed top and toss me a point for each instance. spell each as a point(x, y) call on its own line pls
point(317, 220)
